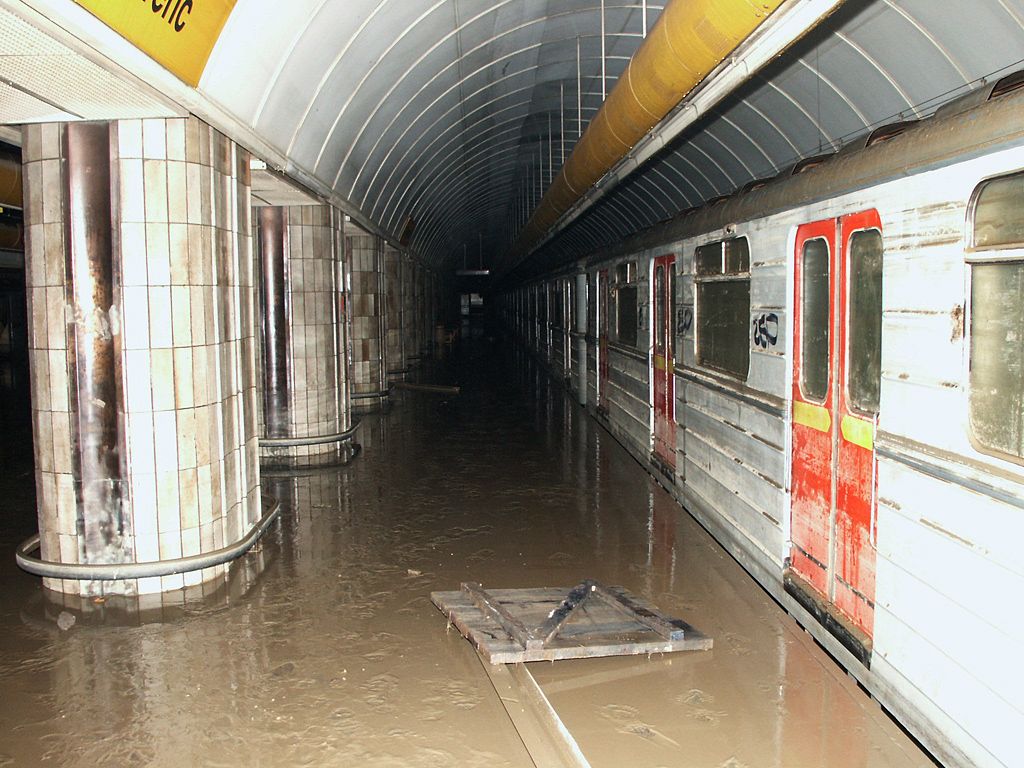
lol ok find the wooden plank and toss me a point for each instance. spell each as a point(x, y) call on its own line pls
point(546, 632)
point(488, 605)
point(655, 620)
point(598, 628)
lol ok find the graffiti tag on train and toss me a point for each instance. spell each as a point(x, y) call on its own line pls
point(684, 321)
point(766, 330)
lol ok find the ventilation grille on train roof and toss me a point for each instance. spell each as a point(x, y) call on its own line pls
point(1008, 84)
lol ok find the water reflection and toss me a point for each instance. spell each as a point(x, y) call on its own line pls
point(326, 650)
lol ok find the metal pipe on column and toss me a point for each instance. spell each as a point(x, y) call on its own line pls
point(382, 374)
point(272, 243)
point(93, 349)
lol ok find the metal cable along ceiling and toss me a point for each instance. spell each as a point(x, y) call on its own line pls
point(458, 113)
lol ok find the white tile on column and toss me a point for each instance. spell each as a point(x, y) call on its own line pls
point(162, 361)
point(61, 425)
point(133, 253)
point(144, 511)
point(177, 202)
point(178, 254)
point(181, 315)
point(160, 326)
point(175, 129)
point(138, 381)
point(165, 441)
point(133, 190)
point(129, 139)
point(168, 515)
point(184, 383)
point(56, 318)
point(158, 253)
point(135, 317)
point(154, 139)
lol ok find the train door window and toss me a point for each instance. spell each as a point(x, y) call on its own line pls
point(815, 319)
point(723, 306)
point(555, 293)
point(660, 308)
point(997, 317)
point(625, 304)
point(865, 353)
point(568, 294)
point(591, 306)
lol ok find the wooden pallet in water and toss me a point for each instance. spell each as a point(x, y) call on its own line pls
point(514, 625)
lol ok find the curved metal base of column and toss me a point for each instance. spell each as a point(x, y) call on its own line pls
point(365, 402)
point(298, 452)
point(281, 469)
point(146, 570)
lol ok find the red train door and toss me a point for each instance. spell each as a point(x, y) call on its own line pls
point(661, 362)
point(836, 382)
point(603, 306)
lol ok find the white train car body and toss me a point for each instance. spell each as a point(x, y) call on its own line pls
point(918, 596)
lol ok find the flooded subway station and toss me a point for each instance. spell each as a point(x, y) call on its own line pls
point(512, 382)
point(323, 647)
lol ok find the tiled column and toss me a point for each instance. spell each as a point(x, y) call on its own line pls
point(410, 318)
point(425, 328)
point(140, 295)
point(368, 373)
point(304, 383)
point(394, 314)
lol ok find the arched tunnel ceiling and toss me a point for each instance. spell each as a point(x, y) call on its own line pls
point(455, 112)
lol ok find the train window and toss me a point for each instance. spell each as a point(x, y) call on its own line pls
point(625, 315)
point(737, 256)
point(660, 321)
point(591, 306)
point(569, 293)
point(815, 334)
point(996, 399)
point(555, 292)
point(997, 356)
point(865, 351)
point(723, 306)
point(708, 260)
point(997, 212)
point(624, 297)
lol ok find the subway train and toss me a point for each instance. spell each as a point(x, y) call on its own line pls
point(826, 369)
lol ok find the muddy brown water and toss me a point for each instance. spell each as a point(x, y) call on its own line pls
point(324, 648)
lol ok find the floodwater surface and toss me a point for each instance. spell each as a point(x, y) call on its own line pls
point(324, 648)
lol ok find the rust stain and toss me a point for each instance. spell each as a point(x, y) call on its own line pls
point(944, 532)
point(768, 480)
point(957, 316)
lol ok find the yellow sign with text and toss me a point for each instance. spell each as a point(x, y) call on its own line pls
point(180, 34)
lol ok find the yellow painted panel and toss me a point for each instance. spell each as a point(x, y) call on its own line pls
point(179, 34)
point(813, 416)
point(858, 431)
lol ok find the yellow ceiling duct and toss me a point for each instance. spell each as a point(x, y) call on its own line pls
point(690, 38)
